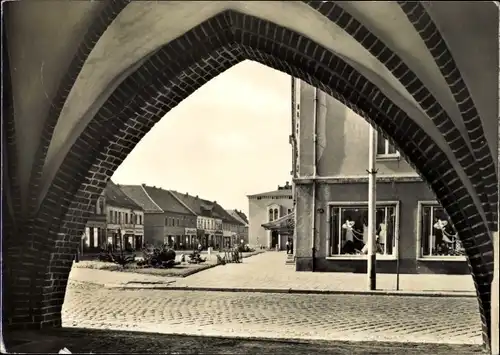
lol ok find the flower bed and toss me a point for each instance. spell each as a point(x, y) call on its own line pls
point(182, 270)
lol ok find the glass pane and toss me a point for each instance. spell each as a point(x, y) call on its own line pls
point(447, 244)
point(426, 231)
point(380, 144)
point(354, 229)
point(334, 228)
point(391, 149)
point(385, 228)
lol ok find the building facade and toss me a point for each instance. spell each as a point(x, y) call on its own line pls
point(124, 217)
point(208, 219)
point(267, 207)
point(414, 234)
point(118, 222)
point(167, 221)
point(242, 227)
point(95, 235)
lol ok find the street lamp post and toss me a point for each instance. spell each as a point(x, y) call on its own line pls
point(372, 201)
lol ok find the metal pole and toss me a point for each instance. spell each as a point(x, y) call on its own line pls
point(372, 198)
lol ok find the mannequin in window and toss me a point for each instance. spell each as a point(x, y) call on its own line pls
point(437, 236)
point(348, 246)
point(382, 235)
point(450, 239)
point(361, 235)
point(378, 245)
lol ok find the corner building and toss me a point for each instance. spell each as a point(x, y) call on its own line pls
point(331, 197)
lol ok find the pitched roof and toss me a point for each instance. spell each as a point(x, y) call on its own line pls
point(197, 205)
point(140, 197)
point(166, 201)
point(240, 216)
point(225, 216)
point(282, 192)
point(205, 208)
point(116, 197)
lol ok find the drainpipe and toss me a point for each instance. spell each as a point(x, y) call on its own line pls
point(315, 170)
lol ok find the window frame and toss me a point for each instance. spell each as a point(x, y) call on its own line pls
point(350, 204)
point(386, 155)
point(420, 206)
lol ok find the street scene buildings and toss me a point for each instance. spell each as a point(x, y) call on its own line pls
point(116, 217)
point(155, 216)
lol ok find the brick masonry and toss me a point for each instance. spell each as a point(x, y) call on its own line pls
point(41, 257)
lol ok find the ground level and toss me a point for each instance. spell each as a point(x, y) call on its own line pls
point(269, 271)
point(282, 316)
point(106, 341)
point(216, 322)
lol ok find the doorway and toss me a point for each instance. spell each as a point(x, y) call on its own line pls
point(274, 239)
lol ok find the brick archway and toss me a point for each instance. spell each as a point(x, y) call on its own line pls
point(171, 74)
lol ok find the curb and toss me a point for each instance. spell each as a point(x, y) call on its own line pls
point(303, 292)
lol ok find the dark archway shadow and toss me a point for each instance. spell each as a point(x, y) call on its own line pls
point(80, 340)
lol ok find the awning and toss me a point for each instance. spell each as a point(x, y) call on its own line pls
point(284, 224)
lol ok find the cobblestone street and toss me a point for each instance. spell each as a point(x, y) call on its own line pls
point(327, 317)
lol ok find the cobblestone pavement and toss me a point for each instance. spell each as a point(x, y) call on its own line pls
point(286, 316)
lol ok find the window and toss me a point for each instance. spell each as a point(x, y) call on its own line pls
point(271, 215)
point(349, 229)
point(385, 148)
point(100, 206)
point(275, 214)
point(126, 218)
point(437, 237)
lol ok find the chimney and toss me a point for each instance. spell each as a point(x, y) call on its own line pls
point(215, 202)
point(187, 194)
point(196, 196)
point(143, 185)
point(287, 183)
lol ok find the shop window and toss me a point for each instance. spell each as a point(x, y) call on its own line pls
point(437, 237)
point(349, 230)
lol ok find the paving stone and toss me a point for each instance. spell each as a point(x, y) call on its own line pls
point(281, 316)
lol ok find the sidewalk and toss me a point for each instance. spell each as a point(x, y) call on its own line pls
point(267, 272)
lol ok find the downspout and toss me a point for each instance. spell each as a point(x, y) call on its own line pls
point(315, 170)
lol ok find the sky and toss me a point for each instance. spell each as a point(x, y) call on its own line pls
point(225, 141)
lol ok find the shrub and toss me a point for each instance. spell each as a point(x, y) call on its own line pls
point(195, 258)
point(245, 249)
point(158, 257)
point(122, 260)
